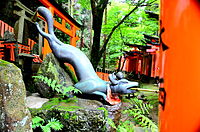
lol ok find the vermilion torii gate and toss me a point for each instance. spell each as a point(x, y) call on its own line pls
point(66, 19)
point(180, 70)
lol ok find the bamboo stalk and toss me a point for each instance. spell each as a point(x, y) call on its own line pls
point(146, 90)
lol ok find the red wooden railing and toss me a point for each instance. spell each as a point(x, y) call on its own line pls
point(4, 27)
point(31, 43)
point(22, 48)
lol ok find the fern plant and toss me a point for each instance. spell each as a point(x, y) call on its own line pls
point(140, 114)
point(126, 126)
point(122, 127)
point(51, 124)
point(107, 119)
point(57, 87)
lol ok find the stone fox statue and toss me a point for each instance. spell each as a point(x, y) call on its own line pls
point(89, 82)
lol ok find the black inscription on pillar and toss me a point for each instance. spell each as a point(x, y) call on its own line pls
point(164, 46)
point(162, 97)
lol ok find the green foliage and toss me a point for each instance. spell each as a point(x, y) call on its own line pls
point(140, 114)
point(131, 30)
point(85, 4)
point(57, 87)
point(153, 99)
point(140, 105)
point(122, 127)
point(51, 124)
point(55, 104)
point(62, 36)
point(68, 108)
point(126, 126)
point(37, 121)
point(71, 74)
point(105, 111)
point(66, 116)
point(107, 119)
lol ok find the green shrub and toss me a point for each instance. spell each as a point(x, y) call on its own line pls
point(51, 124)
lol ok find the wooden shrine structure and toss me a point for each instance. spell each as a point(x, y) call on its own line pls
point(142, 59)
point(20, 46)
point(65, 19)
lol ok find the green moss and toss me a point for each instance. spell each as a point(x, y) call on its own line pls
point(4, 63)
point(71, 74)
point(74, 117)
point(66, 115)
point(56, 104)
point(69, 108)
point(52, 69)
point(49, 69)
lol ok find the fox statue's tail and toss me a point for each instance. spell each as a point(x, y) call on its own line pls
point(47, 15)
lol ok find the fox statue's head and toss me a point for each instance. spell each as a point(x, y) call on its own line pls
point(124, 87)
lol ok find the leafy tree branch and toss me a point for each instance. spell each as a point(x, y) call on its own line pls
point(137, 5)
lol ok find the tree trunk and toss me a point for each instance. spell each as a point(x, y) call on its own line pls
point(97, 23)
point(105, 36)
point(119, 64)
point(97, 15)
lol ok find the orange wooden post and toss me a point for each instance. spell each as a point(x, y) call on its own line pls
point(127, 63)
point(11, 47)
point(47, 48)
point(143, 65)
point(31, 44)
point(2, 28)
point(153, 65)
point(6, 27)
point(74, 38)
point(157, 64)
point(1, 50)
point(139, 66)
point(180, 90)
point(135, 64)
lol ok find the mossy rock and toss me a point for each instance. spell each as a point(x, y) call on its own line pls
point(54, 70)
point(15, 116)
point(77, 115)
point(4, 63)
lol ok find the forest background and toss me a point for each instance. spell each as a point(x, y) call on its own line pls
point(109, 25)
